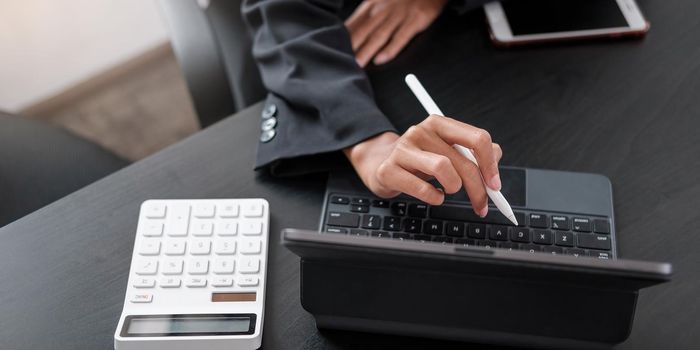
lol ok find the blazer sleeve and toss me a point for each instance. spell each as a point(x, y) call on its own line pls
point(320, 101)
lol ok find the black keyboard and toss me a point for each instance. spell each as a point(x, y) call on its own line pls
point(546, 232)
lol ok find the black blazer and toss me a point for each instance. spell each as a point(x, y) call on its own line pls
point(320, 101)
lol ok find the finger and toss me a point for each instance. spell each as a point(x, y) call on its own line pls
point(497, 152)
point(358, 16)
point(435, 165)
point(455, 132)
point(379, 37)
point(365, 25)
point(399, 40)
point(468, 172)
point(396, 178)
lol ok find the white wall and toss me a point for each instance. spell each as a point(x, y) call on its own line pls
point(49, 45)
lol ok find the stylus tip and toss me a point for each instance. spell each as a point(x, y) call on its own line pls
point(513, 220)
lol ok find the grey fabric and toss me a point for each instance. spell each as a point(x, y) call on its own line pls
point(40, 164)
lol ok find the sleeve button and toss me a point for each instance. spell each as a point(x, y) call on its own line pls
point(268, 124)
point(269, 111)
point(267, 135)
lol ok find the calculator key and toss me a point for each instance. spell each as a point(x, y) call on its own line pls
point(170, 282)
point(228, 210)
point(371, 222)
point(477, 231)
point(202, 228)
point(223, 266)
point(594, 241)
point(252, 209)
point(222, 282)
point(601, 226)
point(560, 222)
point(178, 220)
point(196, 282)
point(144, 282)
point(249, 265)
point(198, 267)
point(564, 239)
point(152, 228)
point(538, 220)
point(248, 281)
point(175, 247)
point(542, 237)
point(150, 247)
point(340, 200)
point(155, 210)
point(141, 298)
point(146, 267)
point(520, 235)
point(251, 228)
point(226, 228)
point(225, 247)
point(200, 247)
point(203, 210)
point(172, 267)
point(343, 219)
point(498, 233)
point(582, 224)
point(454, 229)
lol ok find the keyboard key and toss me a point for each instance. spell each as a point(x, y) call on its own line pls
point(202, 228)
point(538, 220)
point(226, 247)
point(508, 245)
point(336, 230)
point(250, 247)
point(392, 223)
point(402, 236)
point(226, 227)
point(442, 239)
point(340, 200)
point(432, 227)
point(228, 210)
point(150, 246)
point(253, 209)
point(582, 225)
point(203, 210)
point(170, 282)
point(398, 209)
point(412, 225)
point(601, 226)
point(249, 265)
point(520, 217)
point(554, 250)
point(222, 282)
point(454, 229)
point(359, 233)
point(152, 228)
point(465, 242)
point(343, 219)
point(357, 208)
point(144, 282)
point(178, 220)
point(248, 281)
point(381, 234)
point(146, 267)
point(600, 254)
point(200, 247)
point(542, 237)
point(360, 201)
point(141, 298)
point(251, 228)
point(172, 267)
point(560, 222)
point(594, 241)
point(175, 247)
point(498, 233)
point(465, 213)
point(487, 244)
point(575, 252)
point(198, 266)
point(223, 266)
point(155, 210)
point(531, 248)
point(520, 235)
point(371, 222)
point(380, 203)
point(564, 239)
point(476, 231)
point(423, 238)
point(417, 210)
point(196, 282)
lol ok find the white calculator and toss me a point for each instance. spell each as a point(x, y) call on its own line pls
point(197, 277)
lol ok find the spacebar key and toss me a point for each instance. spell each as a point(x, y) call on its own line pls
point(343, 219)
point(456, 213)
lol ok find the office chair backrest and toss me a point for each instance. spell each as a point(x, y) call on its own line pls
point(212, 45)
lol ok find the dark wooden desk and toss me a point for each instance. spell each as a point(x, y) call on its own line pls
point(629, 110)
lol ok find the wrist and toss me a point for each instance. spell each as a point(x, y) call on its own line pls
point(364, 154)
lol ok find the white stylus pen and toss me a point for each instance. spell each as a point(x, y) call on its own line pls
point(430, 107)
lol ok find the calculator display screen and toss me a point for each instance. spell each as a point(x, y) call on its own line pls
point(188, 325)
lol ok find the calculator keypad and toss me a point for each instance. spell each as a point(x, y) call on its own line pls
point(198, 245)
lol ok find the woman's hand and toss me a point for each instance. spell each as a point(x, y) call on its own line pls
point(380, 29)
point(390, 164)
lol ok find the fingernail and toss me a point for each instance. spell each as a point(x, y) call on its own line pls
point(495, 182)
point(381, 59)
point(483, 212)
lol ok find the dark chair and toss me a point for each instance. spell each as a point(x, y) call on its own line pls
point(40, 163)
point(213, 48)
